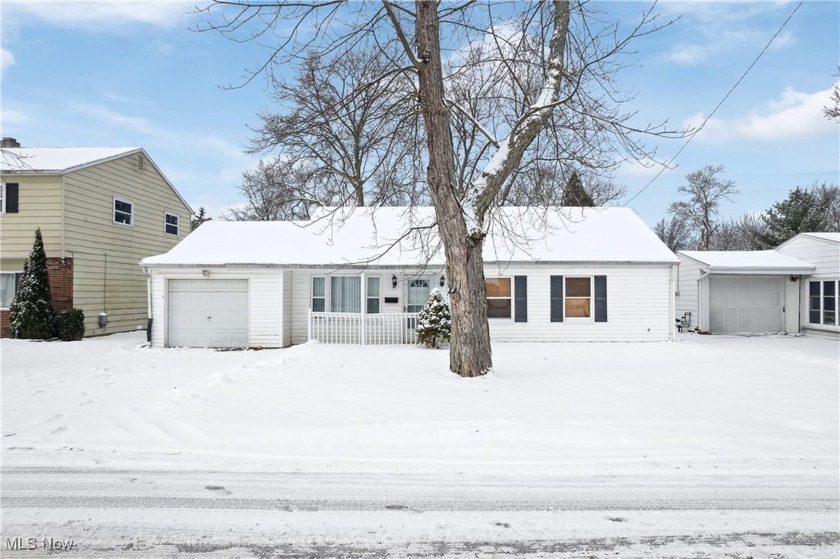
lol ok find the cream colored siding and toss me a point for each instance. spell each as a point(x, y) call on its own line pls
point(107, 254)
point(638, 305)
point(109, 283)
point(824, 254)
point(39, 205)
point(689, 272)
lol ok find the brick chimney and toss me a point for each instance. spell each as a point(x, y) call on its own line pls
point(9, 143)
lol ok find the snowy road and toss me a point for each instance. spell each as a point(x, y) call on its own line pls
point(151, 513)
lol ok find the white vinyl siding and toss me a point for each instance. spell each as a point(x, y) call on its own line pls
point(639, 304)
point(268, 298)
point(688, 291)
point(824, 254)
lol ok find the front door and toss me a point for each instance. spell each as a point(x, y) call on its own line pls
point(418, 294)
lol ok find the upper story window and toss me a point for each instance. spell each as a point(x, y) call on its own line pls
point(499, 303)
point(123, 211)
point(171, 221)
point(823, 302)
point(9, 197)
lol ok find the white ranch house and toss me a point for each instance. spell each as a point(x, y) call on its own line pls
point(360, 276)
point(790, 289)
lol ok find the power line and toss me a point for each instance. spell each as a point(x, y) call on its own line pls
point(725, 97)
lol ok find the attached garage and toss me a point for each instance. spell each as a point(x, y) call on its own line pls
point(746, 305)
point(207, 313)
point(740, 292)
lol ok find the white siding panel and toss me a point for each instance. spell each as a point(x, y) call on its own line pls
point(825, 255)
point(266, 302)
point(287, 308)
point(687, 300)
point(638, 306)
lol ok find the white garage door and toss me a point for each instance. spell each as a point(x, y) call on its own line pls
point(208, 313)
point(745, 305)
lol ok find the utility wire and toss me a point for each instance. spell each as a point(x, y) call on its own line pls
point(725, 97)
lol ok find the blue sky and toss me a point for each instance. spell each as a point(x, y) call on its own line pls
point(134, 74)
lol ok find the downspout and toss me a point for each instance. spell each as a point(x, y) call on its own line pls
point(700, 314)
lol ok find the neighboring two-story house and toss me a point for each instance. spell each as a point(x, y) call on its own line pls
point(101, 211)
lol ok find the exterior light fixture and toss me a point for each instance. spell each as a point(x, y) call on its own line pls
point(394, 281)
point(442, 280)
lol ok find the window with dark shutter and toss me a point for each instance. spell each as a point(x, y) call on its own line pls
point(9, 202)
point(556, 298)
point(600, 298)
point(520, 293)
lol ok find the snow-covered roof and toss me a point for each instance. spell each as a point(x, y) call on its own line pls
point(390, 236)
point(833, 237)
point(57, 160)
point(748, 262)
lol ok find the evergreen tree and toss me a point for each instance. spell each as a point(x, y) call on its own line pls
point(434, 324)
point(198, 219)
point(31, 314)
point(800, 212)
point(575, 194)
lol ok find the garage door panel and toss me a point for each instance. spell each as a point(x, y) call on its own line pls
point(208, 313)
point(745, 305)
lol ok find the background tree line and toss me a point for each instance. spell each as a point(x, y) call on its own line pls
point(693, 223)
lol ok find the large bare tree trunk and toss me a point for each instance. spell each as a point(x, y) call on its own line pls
point(469, 353)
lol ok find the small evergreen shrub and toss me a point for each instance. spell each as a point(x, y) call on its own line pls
point(31, 313)
point(71, 325)
point(434, 323)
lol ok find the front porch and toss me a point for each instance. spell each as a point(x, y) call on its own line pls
point(363, 329)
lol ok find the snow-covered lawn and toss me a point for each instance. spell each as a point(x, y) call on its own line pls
point(705, 402)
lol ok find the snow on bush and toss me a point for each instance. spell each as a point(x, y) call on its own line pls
point(434, 323)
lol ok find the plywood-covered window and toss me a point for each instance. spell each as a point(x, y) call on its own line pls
point(499, 301)
point(578, 301)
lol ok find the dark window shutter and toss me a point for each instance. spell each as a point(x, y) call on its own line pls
point(600, 298)
point(11, 198)
point(556, 298)
point(520, 291)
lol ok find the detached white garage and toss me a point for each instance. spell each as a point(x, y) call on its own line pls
point(740, 292)
point(207, 313)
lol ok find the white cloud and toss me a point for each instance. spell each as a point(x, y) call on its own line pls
point(721, 27)
point(98, 14)
point(644, 168)
point(793, 114)
point(6, 60)
point(108, 116)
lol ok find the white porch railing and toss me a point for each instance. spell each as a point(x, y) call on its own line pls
point(363, 329)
